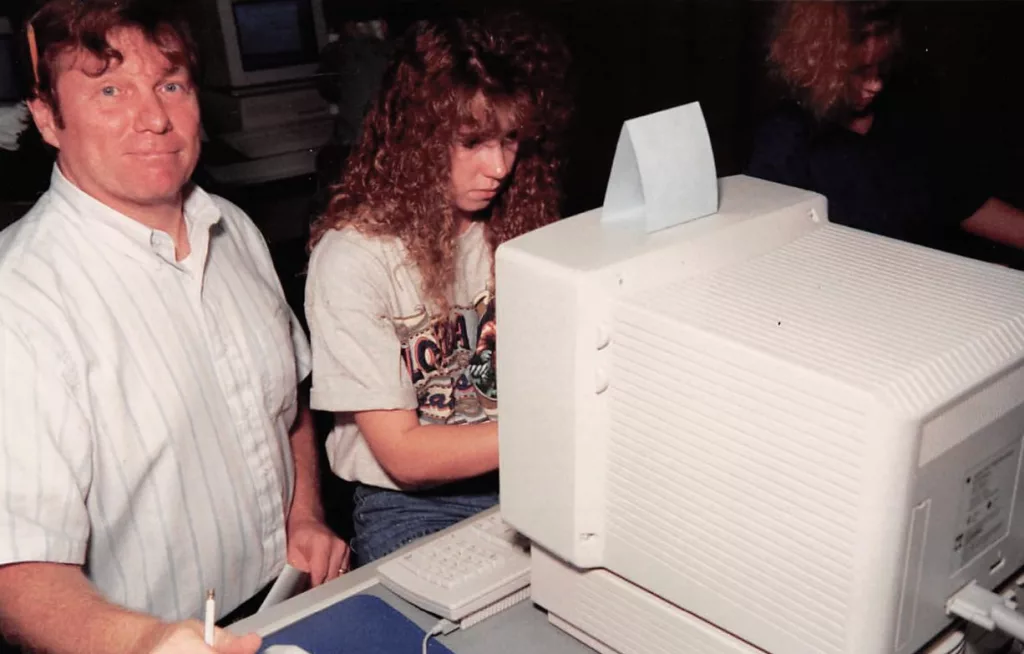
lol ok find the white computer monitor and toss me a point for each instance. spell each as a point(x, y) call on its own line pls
point(255, 42)
point(757, 432)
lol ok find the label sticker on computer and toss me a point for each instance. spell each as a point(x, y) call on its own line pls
point(985, 503)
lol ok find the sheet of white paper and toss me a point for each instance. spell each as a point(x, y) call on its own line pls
point(290, 583)
point(663, 173)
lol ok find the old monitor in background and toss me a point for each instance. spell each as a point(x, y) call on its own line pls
point(258, 94)
point(257, 42)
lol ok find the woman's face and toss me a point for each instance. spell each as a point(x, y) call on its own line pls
point(480, 165)
point(867, 76)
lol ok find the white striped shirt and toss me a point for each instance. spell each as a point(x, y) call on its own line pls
point(145, 403)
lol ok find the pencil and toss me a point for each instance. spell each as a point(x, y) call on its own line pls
point(210, 613)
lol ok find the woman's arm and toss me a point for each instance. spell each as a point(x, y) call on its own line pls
point(416, 455)
point(997, 221)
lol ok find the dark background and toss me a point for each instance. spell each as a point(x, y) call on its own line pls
point(962, 60)
point(962, 63)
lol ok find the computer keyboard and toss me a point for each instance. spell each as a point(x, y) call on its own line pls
point(472, 572)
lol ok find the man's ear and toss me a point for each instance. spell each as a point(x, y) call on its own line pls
point(45, 120)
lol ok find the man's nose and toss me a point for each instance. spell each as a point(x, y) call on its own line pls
point(151, 115)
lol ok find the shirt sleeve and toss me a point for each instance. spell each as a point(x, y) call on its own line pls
point(303, 355)
point(45, 466)
point(357, 358)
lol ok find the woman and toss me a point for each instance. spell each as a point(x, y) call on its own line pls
point(881, 163)
point(458, 154)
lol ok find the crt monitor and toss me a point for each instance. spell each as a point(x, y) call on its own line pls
point(758, 432)
point(254, 42)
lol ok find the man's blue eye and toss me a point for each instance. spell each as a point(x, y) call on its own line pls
point(109, 91)
point(173, 87)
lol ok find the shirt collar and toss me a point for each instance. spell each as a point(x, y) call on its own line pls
point(201, 213)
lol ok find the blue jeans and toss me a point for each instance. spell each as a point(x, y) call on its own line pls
point(385, 520)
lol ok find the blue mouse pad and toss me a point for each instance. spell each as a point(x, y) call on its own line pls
point(363, 624)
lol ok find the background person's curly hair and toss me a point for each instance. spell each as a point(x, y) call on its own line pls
point(396, 181)
point(813, 46)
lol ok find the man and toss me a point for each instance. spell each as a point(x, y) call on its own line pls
point(154, 442)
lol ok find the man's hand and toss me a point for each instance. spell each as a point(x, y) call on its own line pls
point(187, 638)
point(314, 548)
point(86, 623)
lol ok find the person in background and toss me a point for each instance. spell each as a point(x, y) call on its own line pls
point(349, 76)
point(156, 444)
point(459, 153)
point(882, 164)
point(350, 73)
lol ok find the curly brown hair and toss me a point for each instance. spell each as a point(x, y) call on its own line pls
point(813, 47)
point(395, 182)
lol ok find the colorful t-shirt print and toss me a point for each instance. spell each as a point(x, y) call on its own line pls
point(451, 362)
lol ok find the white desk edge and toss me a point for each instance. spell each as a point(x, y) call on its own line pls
point(303, 605)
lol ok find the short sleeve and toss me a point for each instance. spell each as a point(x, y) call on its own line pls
point(303, 356)
point(357, 358)
point(46, 463)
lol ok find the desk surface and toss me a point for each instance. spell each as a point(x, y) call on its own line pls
point(522, 628)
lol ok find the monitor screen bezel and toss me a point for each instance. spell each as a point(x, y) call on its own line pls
point(237, 74)
point(308, 52)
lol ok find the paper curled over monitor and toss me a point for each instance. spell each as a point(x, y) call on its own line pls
point(663, 173)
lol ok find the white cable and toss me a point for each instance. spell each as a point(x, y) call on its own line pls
point(435, 630)
point(987, 610)
point(443, 627)
point(1010, 621)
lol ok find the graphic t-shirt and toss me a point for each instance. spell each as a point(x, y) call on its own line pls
point(377, 345)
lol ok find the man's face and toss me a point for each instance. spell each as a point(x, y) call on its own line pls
point(130, 135)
